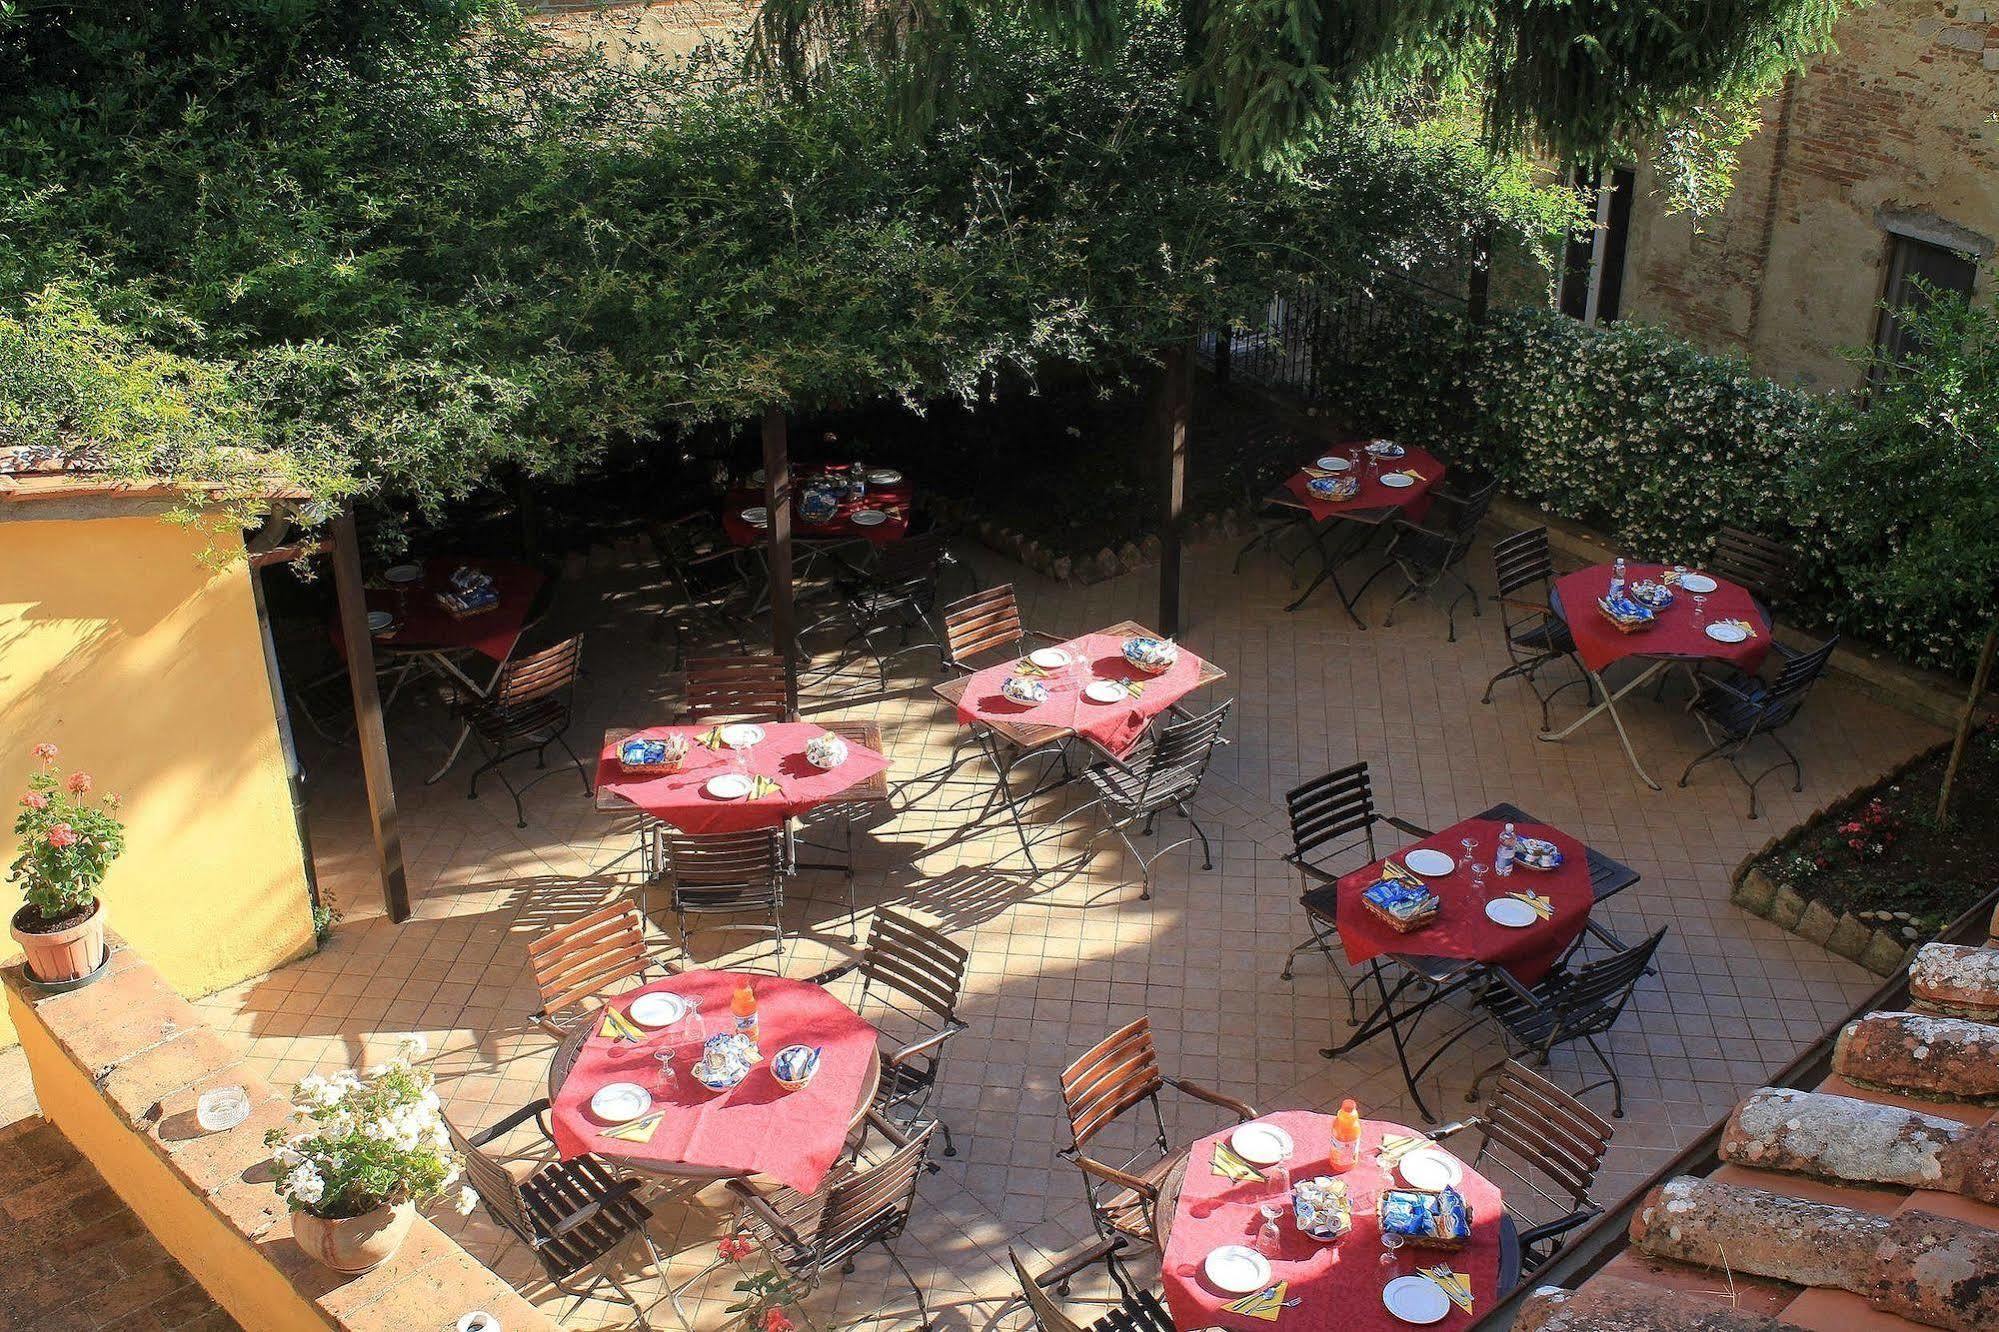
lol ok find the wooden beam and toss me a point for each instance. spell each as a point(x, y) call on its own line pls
point(1174, 408)
point(373, 736)
point(777, 502)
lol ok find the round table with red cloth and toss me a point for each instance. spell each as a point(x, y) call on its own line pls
point(1461, 928)
point(422, 625)
point(893, 500)
point(1414, 500)
point(1673, 633)
point(1338, 1285)
point(1116, 727)
point(677, 797)
point(754, 1128)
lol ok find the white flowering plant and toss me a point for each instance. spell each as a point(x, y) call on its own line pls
point(358, 1141)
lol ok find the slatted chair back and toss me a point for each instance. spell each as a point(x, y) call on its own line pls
point(498, 1191)
point(542, 674)
point(1560, 1141)
point(984, 622)
point(916, 962)
point(1119, 1072)
point(874, 1203)
point(737, 689)
point(698, 556)
point(912, 561)
point(1595, 995)
point(1800, 673)
point(1763, 566)
point(585, 958)
point(1522, 560)
point(1339, 805)
point(1177, 762)
point(722, 872)
point(1048, 1315)
point(1469, 507)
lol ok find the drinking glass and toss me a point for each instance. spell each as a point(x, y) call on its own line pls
point(664, 1057)
point(1679, 574)
point(1270, 1239)
point(1700, 610)
point(697, 1024)
point(1470, 845)
point(1478, 873)
point(1391, 1255)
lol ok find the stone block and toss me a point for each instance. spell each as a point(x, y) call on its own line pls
point(1816, 924)
point(1785, 908)
point(1850, 937)
point(1883, 954)
point(1754, 892)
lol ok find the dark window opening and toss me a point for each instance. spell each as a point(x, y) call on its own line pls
point(1592, 279)
point(1918, 273)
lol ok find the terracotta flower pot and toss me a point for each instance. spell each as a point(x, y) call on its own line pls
point(62, 956)
point(354, 1243)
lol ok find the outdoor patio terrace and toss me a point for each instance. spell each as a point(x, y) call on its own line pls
point(1060, 959)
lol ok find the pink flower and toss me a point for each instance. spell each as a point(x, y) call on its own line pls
point(775, 1321)
point(112, 800)
point(61, 835)
point(735, 1248)
point(46, 752)
point(79, 783)
point(36, 800)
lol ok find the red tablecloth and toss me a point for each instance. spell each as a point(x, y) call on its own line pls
point(756, 1127)
point(1414, 500)
point(677, 797)
point(1338, 1285)
point(893, 500)
point(1673, 634)
point(1115, 726)
point(1461, 928)
point(424, 626)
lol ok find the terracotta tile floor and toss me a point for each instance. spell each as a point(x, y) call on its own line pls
point(1060, 959)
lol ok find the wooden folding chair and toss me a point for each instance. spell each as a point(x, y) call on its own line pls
point(737, 689)
point(585, 959)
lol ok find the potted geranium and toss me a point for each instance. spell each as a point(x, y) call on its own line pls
point(68, 842)
point(362, 1153)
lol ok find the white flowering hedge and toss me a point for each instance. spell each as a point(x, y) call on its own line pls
point(359, 1141)
point(1638, 434)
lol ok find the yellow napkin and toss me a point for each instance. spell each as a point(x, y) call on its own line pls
point(1744, 625)
point(1319, 473)
point(713, 738)
point(762, 786)
point(1395, 1146)
point(1266, 1304)
point(1452, 1284)
point(1230, 1166)
point(1391, 870)
point(618, 1027)
point(639, 1130)
point(1133, 688)
point(1543, 907)
point(1028, 668)
point(1413, 474)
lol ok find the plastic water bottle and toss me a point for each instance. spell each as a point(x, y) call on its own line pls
point(1502, 860)
point(1617, 578)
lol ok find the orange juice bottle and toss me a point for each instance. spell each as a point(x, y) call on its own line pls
point(1346, 1137)
point(744, 1006)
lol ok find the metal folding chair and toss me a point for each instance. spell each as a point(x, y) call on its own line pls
point(530, 709)
point(1736, 711)
point(1432, 552)
point(1535, 636)
point(1160, 778)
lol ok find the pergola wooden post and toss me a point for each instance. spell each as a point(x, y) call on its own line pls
point(777, 502)
point(373, 736)
point(1174, 408)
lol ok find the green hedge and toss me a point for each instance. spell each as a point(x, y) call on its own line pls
point(1637, 434)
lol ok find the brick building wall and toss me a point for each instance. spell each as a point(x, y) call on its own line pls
point(1897, 130)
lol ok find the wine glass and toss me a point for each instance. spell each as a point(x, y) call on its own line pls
point(664, 1058)
point(1470, 847)
point(1269, 1238)
point(1478, 873)
point(1679, 574)
point(1391, 1255)
point(1700, 610)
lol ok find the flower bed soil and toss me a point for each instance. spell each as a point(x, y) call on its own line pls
point(1873, 874)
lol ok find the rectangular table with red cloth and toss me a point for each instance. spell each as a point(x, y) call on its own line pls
point(422, 625)
point(1461, 928)
point(1672, 633)
point(1114, 727)
point(1338, 1285)
point(756, 1127)
point(1413, 500)
point(677, 797)
point(893, 500)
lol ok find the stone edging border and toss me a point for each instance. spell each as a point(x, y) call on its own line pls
point(1878, 947)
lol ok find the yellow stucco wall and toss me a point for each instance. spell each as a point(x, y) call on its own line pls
point(146, 667)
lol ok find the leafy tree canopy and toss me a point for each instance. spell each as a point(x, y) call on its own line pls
point(403, 243)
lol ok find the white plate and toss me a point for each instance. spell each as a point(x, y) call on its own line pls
point(1416, 1299)
point(1049, 659)
point(742, 735)
point(1430, 864)
point(658, 1009)
point(402, 573)
point(1430, 1169)
point(1332, 464)
point(1510, 912)
point(727, 786)
point(757, 517)
point(1261, 1144)
point(1397, 480)
point(1700, 583)
point(379, 621)
point(620, 1102)
point(869, 518)
point(1239, 1270)
point(1106, 691)
point(884, 476)
point(1727, 633)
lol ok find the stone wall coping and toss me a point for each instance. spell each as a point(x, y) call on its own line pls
point(149, 1054)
